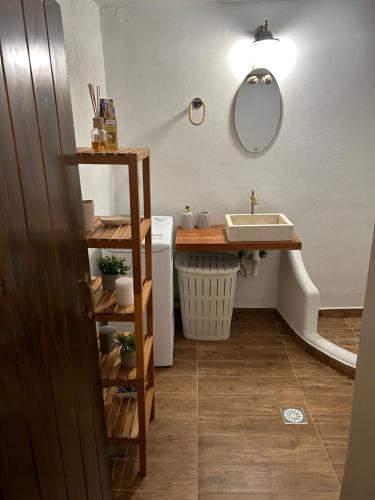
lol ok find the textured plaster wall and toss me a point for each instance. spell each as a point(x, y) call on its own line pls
point(84, 50)
point(320, 169)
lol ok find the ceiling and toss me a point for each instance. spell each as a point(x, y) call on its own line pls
point(118, 3)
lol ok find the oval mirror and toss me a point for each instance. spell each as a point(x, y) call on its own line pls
point(257, 111)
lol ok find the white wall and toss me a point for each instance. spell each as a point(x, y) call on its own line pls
point(85, 61)
point(84, 49)
point(320, 170)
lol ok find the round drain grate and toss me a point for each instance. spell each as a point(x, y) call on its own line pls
point(293, 415)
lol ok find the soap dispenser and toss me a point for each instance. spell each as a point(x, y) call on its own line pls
point(187, 219)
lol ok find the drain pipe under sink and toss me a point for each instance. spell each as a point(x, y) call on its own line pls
point(255, 263)
point(254, 257)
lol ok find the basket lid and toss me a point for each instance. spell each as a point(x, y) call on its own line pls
point(215, 263)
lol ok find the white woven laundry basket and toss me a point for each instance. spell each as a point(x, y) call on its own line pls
point(207, 284)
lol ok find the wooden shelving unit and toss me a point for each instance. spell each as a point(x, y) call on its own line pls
point(127, 419)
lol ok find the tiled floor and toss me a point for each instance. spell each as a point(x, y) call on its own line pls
point(218, 433)
point(343, 332)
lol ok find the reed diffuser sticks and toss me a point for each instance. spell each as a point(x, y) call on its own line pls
point(95, 98)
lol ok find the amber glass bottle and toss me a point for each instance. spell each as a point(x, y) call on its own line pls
point(98, 134)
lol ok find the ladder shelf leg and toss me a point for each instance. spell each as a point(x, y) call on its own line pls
point(138, 313)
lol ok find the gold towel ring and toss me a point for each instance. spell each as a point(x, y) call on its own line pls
point(197, 103)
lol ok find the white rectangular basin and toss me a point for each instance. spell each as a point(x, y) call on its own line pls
point(258, 227)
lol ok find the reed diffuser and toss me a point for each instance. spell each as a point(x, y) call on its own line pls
point(98, 134)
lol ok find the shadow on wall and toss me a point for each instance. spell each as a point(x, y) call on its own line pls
point(151, 136)
point(161, 129)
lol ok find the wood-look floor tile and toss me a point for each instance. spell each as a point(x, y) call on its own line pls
point(255, 312)
point(298, 354)
point(180, 447)
point(234, 353)
point(351, 345)
point(352, 348)
point(254, 328)
point(310, 429)
point(176, 402)
point(173, 423)
point(313, 369)
point(180, 367)
point(245, 450)
point(337, 333)
point(181, 341)
point(330, 385)
point(175, 383)
point(252, 319)
point(336, 448)
point(332, 425)
point(332, 323)
point(354, 323)
point(246, 340)
point(329, 404)
point(162, 445)
point(161, 475)
point(249, 403)
point(341, 313)
point(281, 327)
point(289, 342)
point(154, 495)
point(339, 471)
point(185, 352)
point(245, 425)
point(219, 495)
point(249, 368)
point(266, 449)
point(282, 386)
point(266, 478)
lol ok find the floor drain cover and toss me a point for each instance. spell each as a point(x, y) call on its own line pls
point(293, 416)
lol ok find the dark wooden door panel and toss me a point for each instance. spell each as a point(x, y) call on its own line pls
point(16, 453)
point(25, 312)
point(42, 242)
point(16, 450)
point(63, 223)
point(48, 345)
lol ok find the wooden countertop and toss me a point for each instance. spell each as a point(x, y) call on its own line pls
point(215, 239)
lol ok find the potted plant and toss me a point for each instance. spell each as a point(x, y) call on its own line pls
point(126, 341)
point(111, 267)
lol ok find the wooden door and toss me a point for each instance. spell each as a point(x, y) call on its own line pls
point(51, 414)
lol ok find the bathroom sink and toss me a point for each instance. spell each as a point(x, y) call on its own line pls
point(258, 227)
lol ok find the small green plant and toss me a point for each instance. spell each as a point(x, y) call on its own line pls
point(112, 265)
point(126, 341)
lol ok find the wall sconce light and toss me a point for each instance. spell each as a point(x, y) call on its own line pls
point(260, 78)
point(263, 33)
point(267, 79)
point(253, 80)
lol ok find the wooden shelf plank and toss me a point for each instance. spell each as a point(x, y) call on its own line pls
point(103, 236)
point(121, 156)
point(215, 239)
point(122, 415)
point(113, 374)
point(106, 308)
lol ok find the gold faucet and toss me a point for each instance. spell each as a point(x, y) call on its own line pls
point(254, 201)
